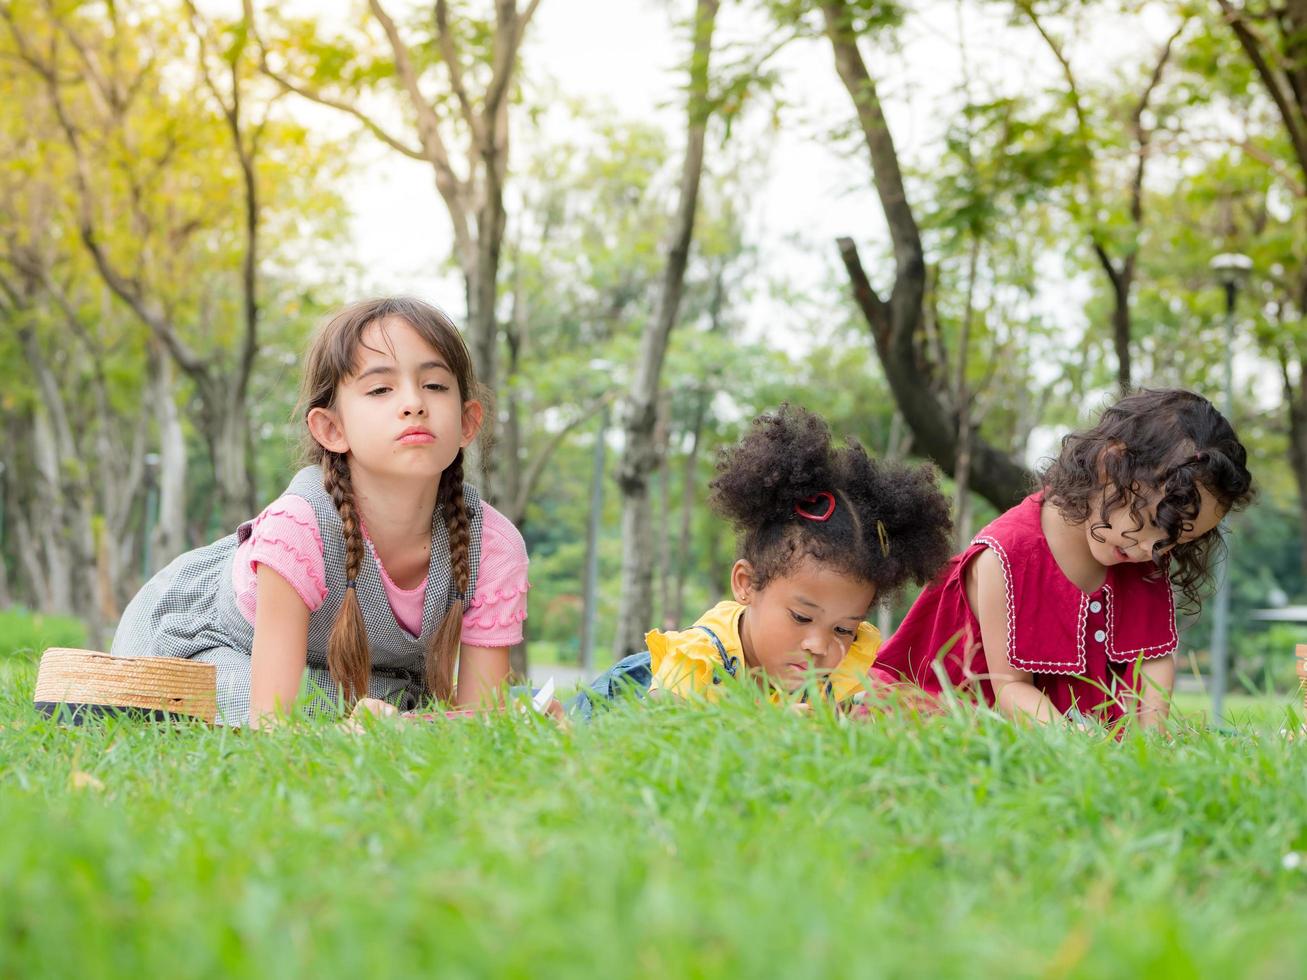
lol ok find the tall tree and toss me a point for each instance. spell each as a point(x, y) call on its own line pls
point(131, 147)
point(122, 249)
point(1273, 37)
point(639, 413)
point(898, 323)
point(477, 62)
point(85, 432)
point(1115, 244)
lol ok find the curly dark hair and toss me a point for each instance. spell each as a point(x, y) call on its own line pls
point(890, 521)
point(1166, 441)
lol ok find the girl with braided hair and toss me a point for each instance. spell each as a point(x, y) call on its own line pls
point(826, 532)
point(378, 572)
point(1065, 605)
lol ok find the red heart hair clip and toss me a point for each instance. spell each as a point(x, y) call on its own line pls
point(809, 508)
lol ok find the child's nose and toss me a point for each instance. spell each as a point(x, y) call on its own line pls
point(412, 401)
point(814, 644)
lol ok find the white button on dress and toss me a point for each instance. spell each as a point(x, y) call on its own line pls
point(1100, 636)
point(1095, 606)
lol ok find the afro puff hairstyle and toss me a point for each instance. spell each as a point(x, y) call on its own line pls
point(890, 522)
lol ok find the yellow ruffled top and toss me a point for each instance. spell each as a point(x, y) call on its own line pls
point(685, 661)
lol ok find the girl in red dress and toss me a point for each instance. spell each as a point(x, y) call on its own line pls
point(1066, 603)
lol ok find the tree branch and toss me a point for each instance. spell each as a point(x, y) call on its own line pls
point(314, 95)
point(887, 174)
point(1253, 46)
point(535, 469)
point(122, 285)
point(231, 111)
point(1143, 135)
point(874, 309)
point(454, 65)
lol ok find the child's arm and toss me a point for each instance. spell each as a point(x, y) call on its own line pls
point(281, 642)
point(1015, 693)
point(1157, 682)
point(482, 672)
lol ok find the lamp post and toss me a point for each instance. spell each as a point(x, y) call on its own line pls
point(1231, 269)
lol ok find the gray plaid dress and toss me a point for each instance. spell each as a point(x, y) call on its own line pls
point(188, 609)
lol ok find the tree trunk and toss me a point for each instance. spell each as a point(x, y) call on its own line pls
point(227, 427)
point(483, 325)
point(963, 399)
point(1121, 281)
point(896, 325)
point(1295, 399)
point(118, 482)
point(49, 517)
point(689, 497)
point(640, 454)
point(169, 534)
point(27, 546)
point(68, 506)
point(662, 435)
point(519, 657)
point(594, 524)
point(6, 598)
point(898, 443)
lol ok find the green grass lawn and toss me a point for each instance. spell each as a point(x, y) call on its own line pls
point(661, 840)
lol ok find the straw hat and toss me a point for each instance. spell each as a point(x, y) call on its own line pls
point(86, 682)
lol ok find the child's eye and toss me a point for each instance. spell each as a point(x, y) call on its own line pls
point(379, 391)
point(436, 386)
point(799, 618)
point(844, 631)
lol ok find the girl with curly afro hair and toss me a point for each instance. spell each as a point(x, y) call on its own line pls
point(826, 532)
point(1065, 605)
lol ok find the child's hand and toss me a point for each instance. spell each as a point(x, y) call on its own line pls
point(374, 706)
point(367, 706)
point(555, 710)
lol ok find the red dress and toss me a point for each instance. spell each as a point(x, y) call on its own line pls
point(1081, 648)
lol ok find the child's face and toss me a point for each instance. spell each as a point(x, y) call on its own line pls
point(401, 413)
point(803, 621)
point(1122, 543)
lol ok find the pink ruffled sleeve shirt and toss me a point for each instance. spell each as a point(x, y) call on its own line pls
point(285, 537)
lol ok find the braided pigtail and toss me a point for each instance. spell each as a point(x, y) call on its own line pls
point(442, 650)
point(347, 646)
